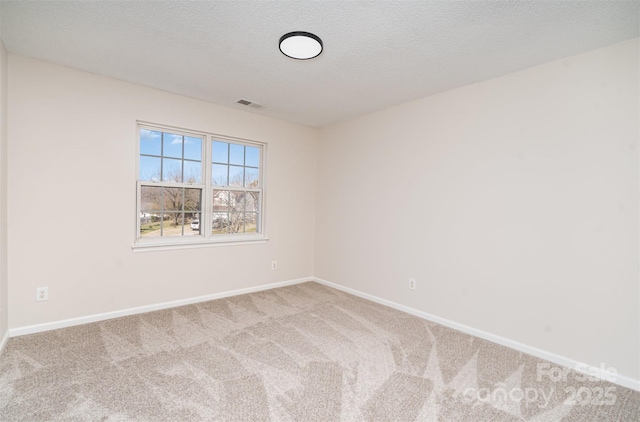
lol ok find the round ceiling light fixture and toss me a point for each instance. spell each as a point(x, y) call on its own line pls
point(300, 45)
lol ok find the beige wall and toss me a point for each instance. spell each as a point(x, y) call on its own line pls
point(4, 309)
point(72, 155)
point(513, 202)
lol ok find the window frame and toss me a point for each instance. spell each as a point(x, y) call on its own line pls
point(205, 238)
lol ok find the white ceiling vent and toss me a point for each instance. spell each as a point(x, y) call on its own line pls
point(251, 104)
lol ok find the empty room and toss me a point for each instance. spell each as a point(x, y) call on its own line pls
point(319, 210)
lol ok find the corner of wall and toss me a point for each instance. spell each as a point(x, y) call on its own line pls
point(4, 311)
point(317, 137)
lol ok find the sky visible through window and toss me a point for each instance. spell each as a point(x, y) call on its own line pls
point(234, 164)
point(169, 157)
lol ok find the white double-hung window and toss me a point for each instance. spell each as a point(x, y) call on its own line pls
point(196, 188)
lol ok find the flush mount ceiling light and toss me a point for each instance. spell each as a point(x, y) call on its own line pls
point(300, 45)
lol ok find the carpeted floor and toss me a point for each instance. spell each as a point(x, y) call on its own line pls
point(298, 353)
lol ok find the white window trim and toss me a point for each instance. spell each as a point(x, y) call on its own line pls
point(141, 244)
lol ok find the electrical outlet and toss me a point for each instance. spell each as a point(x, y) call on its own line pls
point(412, 283)
point(42, 293)
point(274, 265)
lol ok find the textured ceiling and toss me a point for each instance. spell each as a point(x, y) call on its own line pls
point(377, 53)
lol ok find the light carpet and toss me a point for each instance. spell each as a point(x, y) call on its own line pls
point(300, 353)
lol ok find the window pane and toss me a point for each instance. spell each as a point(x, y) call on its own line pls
point(192, 148)
point(192, 200)
point(220, 152)
point(150, 142)
point(172, 145)
point(192, 172)
point(150, 225)
point(151, 199)
point(172, 199)
point(251, 202)
point(175, 224)
point(162, 224)
point(190, 229)
point(194, 223)
point(236, 176)
point(220, 200)
point(252, 157)
point(219, 223)
point(149, 169)
point(251, 223)
point(236, 154)
point(251, 177)
point(236, 222)
point(219, 175)
point(171, 170)
point(236, 201)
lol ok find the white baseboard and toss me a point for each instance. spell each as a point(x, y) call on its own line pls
point(31, 329)
point(3, 342)
point(551, 357)
point(621, 380)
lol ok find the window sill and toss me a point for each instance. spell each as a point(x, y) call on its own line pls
point(164, 245)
